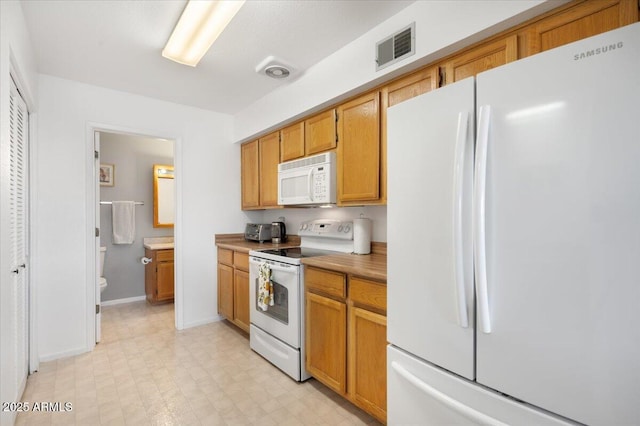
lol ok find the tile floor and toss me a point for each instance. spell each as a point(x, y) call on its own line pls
point(144, 372)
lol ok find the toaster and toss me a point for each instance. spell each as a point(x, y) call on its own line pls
point(257, 232)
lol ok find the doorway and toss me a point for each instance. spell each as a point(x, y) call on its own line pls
point(124, 172)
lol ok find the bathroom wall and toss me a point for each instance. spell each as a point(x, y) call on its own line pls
point(133, 157)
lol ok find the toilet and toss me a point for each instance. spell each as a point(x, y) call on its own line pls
point(103, 280)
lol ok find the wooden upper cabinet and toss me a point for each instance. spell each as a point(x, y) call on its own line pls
point(410, 86)
point(481, 58)
point(359, 150)
point(250, 175)
point(583, 20)
point(269, 159)
point(320, 132)
point(292, 142)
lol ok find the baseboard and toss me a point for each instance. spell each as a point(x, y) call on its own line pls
point(121, 301)
point(208, 320)
point(65, 354)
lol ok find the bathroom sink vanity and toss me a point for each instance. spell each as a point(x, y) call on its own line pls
point(158, 274)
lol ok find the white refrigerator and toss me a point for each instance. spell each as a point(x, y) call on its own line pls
point(513, 236)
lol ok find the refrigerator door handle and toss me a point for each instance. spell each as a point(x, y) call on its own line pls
point(458, 181)
point(479, 201)
point(468, 412)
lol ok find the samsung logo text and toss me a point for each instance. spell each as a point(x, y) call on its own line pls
point(597, 51)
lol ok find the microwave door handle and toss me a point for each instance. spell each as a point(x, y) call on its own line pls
point(310, 179)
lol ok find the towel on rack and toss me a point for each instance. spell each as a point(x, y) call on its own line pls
point(265, 287)
point(123, 221)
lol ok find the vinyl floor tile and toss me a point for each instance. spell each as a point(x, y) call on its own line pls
point(145, 372)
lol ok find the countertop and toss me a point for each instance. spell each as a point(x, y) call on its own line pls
point(238, 243)
point(158, 243)
point(372, 266)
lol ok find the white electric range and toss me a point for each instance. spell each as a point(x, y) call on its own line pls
point(277, 333)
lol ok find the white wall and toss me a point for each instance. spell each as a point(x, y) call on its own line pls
point(16, 57)
point(442, 27)
point(207, 170)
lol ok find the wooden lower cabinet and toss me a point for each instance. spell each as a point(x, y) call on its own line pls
point(326, 341)
point(159, 276)
point(233, 287)
point(346, 337)
point(368, 361)
point(225, 290)
point(241, 299)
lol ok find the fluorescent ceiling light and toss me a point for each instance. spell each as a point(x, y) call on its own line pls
point(201, 23)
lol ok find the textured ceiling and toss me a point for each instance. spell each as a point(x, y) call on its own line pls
point(118, 44)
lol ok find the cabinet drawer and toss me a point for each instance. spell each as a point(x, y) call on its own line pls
point(368, 293)
point(164, 255)
point(225, 256)
point(241, 260)
point(332, 283)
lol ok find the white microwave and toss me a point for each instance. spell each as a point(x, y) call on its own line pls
point(307, 181)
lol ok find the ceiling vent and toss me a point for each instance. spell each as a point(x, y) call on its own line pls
point(396, 47)
point(274, 67)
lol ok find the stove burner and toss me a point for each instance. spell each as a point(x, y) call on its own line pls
point(298, 252)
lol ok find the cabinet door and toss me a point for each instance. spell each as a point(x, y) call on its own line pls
point(164, 280)
point(292, 142)
point(320, 132)
point(410, 86)
point(241, 299)
point(359, 150)
point(150, 275)
point(368, 361)
point(269, 159)
point(225, 291)
point(326, 341)
point(481, 58)
point(250, 175)
point(581, 21)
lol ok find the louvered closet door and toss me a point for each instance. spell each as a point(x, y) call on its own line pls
point(18, 194)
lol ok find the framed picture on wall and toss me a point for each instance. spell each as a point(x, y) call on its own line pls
point(107, 176)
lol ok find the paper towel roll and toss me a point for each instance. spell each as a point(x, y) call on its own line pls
point(362, 236)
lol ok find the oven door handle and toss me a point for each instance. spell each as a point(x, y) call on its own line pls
point(273, 266)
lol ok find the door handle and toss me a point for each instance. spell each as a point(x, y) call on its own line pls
point(458, 181)
point(453, 404)
point(479, 209)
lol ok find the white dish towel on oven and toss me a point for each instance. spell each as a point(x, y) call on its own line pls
point(124, 221)
point(265, 287)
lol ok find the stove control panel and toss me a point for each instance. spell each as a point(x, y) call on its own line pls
point(327, 228)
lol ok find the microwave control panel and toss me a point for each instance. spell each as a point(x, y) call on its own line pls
point(320, 184)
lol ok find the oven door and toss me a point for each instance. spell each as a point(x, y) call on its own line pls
point(282, 320)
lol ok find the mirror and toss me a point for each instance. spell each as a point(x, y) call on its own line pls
point(163, 196)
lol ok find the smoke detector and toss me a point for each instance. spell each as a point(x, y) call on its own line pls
point(274, 67)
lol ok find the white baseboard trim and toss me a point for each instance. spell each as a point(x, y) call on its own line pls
point(204, 321)
point(65, 354)
point(121, 301)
